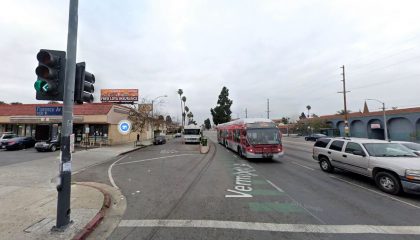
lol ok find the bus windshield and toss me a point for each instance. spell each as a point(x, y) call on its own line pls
point(191, 131)
point(263, 136)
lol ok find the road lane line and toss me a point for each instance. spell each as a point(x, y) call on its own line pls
point(273, 227)
point(274, 186)
point(111, 179)
point(379, 193)
point(302, 166)
point(151, 159)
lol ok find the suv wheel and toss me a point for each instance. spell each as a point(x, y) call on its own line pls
point(325, 165)
point(53, 148)
point(388, 182)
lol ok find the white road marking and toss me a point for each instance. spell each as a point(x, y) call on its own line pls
point(273, 227)
point(151, 159)
point(303, 166)
point(235, 156)
point(379, 193)
point(274, 186)
point(111, 179)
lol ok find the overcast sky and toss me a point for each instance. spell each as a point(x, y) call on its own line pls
point(287, 51)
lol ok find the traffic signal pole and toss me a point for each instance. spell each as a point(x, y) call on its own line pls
point(64, 185)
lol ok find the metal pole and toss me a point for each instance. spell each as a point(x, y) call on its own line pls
point(64, 187)
point(246, 113)
point(346, 123)
point(153, 121)
point(268, 108)
point(385, 124)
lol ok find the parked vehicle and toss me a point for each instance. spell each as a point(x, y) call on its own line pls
point(192, 134)
point(51, 145)
point(178, 135)
point(251, 138)
point(6, 137)
point(19, 143)
point(314, 137)
point(394, 167)
point(415, 147)
point(159, 140)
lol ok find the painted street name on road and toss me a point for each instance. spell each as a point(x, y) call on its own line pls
point(243, 181)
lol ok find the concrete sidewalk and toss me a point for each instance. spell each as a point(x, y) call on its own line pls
point(28, 195)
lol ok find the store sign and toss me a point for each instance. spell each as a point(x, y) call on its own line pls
point(124, 127)
point(375, 126)
point(119, 95)
point(49, 111)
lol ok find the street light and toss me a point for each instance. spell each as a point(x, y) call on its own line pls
point(383, 110)
point(153, 110)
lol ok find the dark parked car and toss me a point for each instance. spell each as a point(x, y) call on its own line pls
point(19, 143)
point(159, 140)
point(314, 137)
point(52, 145)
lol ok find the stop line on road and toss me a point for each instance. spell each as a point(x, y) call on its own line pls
point(273, 227)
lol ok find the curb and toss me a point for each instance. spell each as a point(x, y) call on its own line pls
point(94, 222)
point(131, 150)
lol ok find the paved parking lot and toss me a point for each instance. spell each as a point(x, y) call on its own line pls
point(24, 155)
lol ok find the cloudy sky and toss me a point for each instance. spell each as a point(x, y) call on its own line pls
point(287, 51)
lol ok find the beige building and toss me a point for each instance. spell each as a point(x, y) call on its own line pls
point(95, 123)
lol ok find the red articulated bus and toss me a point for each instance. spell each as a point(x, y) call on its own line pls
point(251, 138)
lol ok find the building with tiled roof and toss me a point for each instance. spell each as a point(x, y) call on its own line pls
point(97, 122)
point(402, 124)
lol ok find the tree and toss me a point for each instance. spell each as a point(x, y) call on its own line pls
point(53, 102)
point(15, 103)
point(309, 108)
point(180, 92)
point(285, 120)
point(314, 115)
point(168, 119)
point(207, 124)
point(187, 109)
point(190, 116)
point(221, 113)
point(1, 102)
point(341, 112)
point(302, 116)
point(184, 99)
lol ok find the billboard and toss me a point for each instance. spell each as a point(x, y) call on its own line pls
point(119, 95)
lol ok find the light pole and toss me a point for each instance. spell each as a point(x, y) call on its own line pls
point(153, 118)
point(383, 110)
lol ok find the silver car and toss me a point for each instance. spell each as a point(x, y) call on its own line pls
point(394, 167)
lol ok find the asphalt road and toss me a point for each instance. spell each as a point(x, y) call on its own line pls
point(24, 155)
point(173, 192)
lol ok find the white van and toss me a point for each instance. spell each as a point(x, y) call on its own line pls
point(192, 134)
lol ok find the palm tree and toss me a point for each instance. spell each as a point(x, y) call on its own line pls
point(180, 92)
point(190, 115)
point(309, 108)
point(184, 98)
point(187, 109)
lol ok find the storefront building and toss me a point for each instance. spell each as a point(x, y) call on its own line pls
point(92, 123)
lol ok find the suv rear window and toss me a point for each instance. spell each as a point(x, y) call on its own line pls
point(322, 142)
point(337, 145)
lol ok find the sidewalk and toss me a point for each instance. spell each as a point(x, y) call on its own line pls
point(28, 195)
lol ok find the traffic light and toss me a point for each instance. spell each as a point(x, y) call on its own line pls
point(83, 87)
point(51, 74)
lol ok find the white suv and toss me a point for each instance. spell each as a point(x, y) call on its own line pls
point(393, 166)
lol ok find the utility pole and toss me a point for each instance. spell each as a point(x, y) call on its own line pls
point(344, 92)
point(268, 108)
point(246, 113)
point(64, 185)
